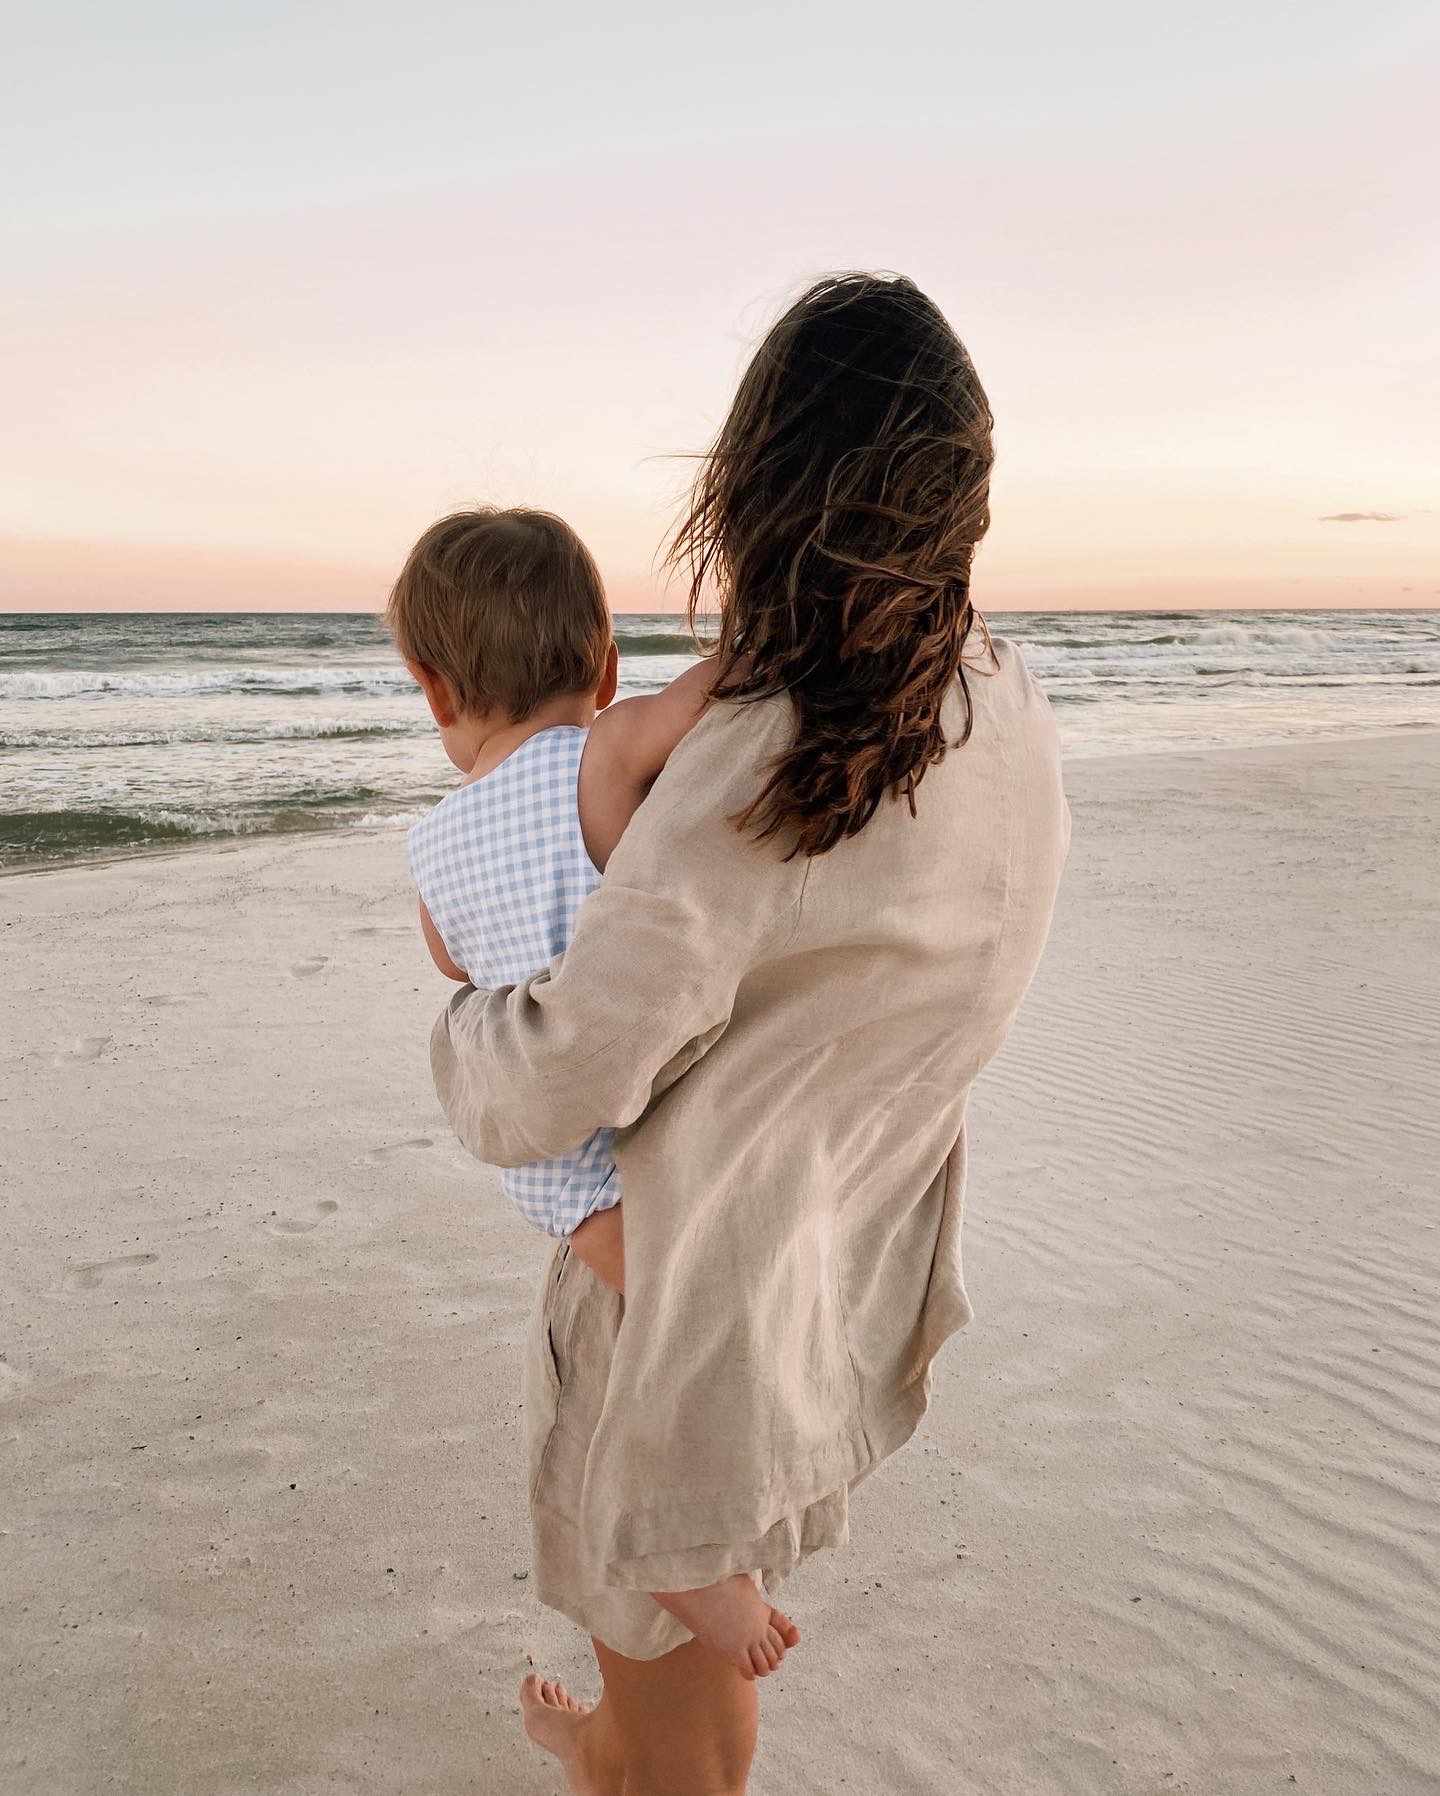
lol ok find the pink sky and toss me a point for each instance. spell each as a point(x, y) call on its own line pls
point(1206, 331)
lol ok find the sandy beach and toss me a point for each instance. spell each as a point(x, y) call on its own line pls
point(1170, 1525)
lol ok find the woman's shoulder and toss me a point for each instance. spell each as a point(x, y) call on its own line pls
point(1001, 657)
point(998, 680)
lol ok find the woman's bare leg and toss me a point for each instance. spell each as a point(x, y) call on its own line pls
point(685, 1722)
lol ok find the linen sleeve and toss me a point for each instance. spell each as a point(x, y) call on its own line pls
point(687, 905)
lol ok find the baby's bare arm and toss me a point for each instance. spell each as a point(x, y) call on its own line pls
point(439, 953)
point(628, 746)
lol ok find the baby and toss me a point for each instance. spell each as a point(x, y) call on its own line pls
point(502, 619)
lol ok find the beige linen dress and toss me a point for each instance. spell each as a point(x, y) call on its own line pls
point(786, 1048)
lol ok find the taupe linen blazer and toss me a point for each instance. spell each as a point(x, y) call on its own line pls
point(786, 1047)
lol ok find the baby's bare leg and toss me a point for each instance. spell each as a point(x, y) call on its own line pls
point(600, 1242)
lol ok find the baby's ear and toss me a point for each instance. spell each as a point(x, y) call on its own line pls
point(439, 693)
point(610, 680)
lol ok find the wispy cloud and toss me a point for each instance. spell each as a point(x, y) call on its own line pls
point(1360, 517)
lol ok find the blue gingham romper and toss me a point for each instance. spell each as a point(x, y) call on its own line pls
point(502, 868)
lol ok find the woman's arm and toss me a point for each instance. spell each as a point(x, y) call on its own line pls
point(688, 905)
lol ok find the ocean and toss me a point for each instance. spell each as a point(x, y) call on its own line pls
point(125, 732)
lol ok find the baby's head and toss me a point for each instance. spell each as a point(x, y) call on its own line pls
point(499, 615)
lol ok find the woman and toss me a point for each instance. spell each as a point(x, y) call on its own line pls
point(813, 935)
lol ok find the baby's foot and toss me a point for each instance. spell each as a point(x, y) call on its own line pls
point(735, 1622)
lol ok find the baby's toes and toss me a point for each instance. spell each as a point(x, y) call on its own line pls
point(785, 1628)
point(774, 1646)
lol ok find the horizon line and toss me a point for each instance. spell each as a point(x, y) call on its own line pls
point(1431, 603)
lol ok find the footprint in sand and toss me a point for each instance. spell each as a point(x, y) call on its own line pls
point(378, 1155)
point(307, 969)
point(82, 1052)
point(302, 1224)
point(155, 999)
point(88, 1278)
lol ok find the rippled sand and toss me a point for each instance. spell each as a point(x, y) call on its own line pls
point(1170, 1525)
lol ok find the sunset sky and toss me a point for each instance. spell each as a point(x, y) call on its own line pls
point(281, 284)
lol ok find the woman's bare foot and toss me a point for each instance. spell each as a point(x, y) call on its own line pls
point(735, 1622)
point(552, 1720)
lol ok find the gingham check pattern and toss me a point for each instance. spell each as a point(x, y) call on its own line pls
point(502, 867)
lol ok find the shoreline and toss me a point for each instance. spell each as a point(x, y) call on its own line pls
point(219, 842)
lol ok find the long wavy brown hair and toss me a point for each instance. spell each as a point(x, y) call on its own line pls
point(836, 515)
